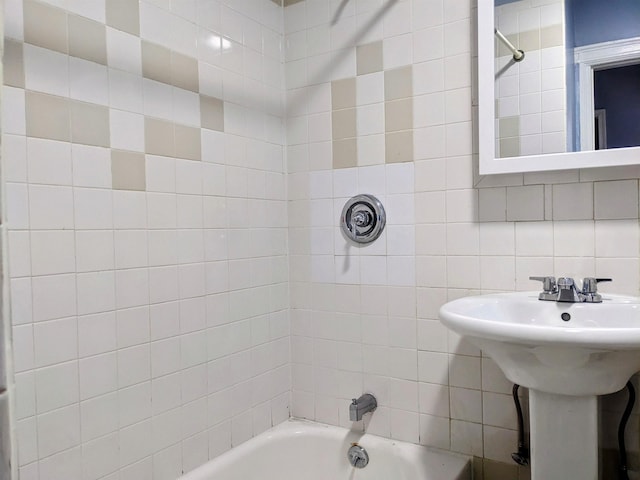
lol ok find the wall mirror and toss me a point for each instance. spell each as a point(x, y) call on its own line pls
point(573, 99)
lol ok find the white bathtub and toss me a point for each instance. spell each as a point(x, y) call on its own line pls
point(305, 450)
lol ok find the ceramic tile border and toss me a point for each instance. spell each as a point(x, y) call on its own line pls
point(606, 200)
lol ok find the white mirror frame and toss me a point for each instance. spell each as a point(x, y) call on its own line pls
point(488, 163)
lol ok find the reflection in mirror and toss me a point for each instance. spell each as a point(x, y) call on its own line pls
point(578, 86)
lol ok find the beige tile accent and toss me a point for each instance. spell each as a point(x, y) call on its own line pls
point(398, 83)
point(552, 36)
point(509, 127)
point(399, 147)
point(87, 39)
point(343, 123)
point(398, 115)
point(211, 113)
point(345, 153)
point(13, 63)
point(158, 137)
point(184, 72)
point(287, 3)
point(156, 61)
point(343, 93)
point(525, 203)
point(128, 170)
point(124, 15)
point(188, 142)
point(45, 26)
point(90, 124)
point(528, 41)
point(369, 58)
point(48, 116)
point(509, 147)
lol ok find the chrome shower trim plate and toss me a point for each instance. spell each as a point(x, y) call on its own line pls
point(363, 218)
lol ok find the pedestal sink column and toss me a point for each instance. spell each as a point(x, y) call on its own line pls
point(564, 436)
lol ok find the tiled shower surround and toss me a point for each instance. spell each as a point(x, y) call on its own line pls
point(147, 216)
point(177, 273)
point(365, 318)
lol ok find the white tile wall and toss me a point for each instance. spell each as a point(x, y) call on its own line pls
point(191, 318)
point(444, 238)
point(150, 331)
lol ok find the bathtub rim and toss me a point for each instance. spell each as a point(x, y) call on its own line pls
point(299, 426)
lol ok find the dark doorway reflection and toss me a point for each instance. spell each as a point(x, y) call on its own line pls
point(617, 107)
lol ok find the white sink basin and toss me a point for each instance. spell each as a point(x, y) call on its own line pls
point(593, 351)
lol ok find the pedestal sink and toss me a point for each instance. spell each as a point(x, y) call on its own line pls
point(566, 354)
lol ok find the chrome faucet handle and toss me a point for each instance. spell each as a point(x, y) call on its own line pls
point(590, 284)
point(548, 283)
point(590, 289)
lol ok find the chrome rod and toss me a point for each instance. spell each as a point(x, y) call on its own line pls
point(518, 55)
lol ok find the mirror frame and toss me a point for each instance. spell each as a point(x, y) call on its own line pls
point(488, 163)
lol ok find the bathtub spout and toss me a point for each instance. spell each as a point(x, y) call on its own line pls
point(359, 406)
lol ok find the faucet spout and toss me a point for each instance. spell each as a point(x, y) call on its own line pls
point(359, 406)
point(567, 291)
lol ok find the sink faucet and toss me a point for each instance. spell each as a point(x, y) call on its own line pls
point(566, 290)
point(360, 406)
